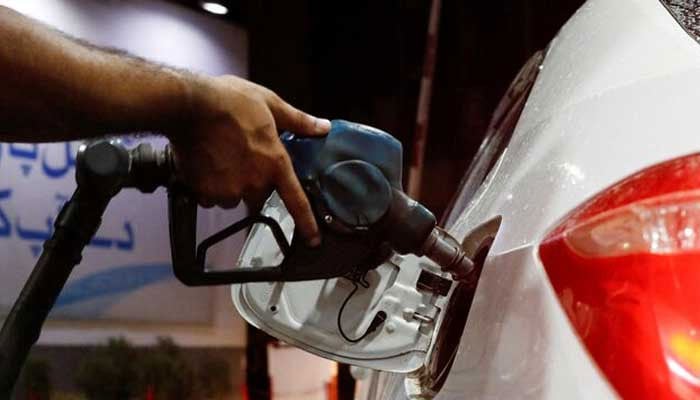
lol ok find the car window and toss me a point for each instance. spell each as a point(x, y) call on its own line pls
point(498, 134)
point(687, 13)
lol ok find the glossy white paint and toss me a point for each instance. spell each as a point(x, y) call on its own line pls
point(617, 92)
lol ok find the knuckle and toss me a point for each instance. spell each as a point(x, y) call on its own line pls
point(254, 97)
point(265, 128)
point(281, 159)
point(271, 96)
point(260, 99)
point(277, 160)
point(263, 94)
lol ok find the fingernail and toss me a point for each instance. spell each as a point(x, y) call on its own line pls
point(315, 241)
point(323, 125)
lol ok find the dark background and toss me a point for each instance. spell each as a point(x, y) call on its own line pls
point(362, 61)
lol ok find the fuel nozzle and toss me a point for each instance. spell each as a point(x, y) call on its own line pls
point(446, 252)
point(412, 228)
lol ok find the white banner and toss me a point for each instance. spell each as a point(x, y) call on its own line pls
point(125, 275)
point(126, 271)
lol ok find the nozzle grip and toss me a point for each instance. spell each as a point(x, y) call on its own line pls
point(339, 255)
point(189, 259)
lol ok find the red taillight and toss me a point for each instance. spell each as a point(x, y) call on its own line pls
point(626, 268)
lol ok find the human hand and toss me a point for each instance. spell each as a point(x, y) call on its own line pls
point(230, 149)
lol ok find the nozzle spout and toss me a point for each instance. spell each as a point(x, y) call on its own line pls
point(445, 251)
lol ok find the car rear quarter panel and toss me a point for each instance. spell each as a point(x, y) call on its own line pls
point(619, 90)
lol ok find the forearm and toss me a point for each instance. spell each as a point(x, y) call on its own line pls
point(56, 88)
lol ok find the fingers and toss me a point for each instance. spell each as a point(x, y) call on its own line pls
point(291, 192)
point(229, 203)
point(255, 199)
point(209, 198)
point(295, 120)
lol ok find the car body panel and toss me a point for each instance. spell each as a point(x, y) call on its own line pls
point(617, 92)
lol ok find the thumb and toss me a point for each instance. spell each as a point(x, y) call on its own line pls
point(292, 119)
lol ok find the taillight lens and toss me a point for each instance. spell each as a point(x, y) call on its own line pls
point(626, 268)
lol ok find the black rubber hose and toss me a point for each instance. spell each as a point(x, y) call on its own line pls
point(74, 227)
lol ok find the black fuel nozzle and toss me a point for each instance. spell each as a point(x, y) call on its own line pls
point(352, 178)
point(446, 252)
point(412, 228)
point(149, 168)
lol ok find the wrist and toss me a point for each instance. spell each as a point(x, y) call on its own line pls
point(191, 98)
point(181, 115)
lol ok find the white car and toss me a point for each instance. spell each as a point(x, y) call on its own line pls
point(582, 208)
